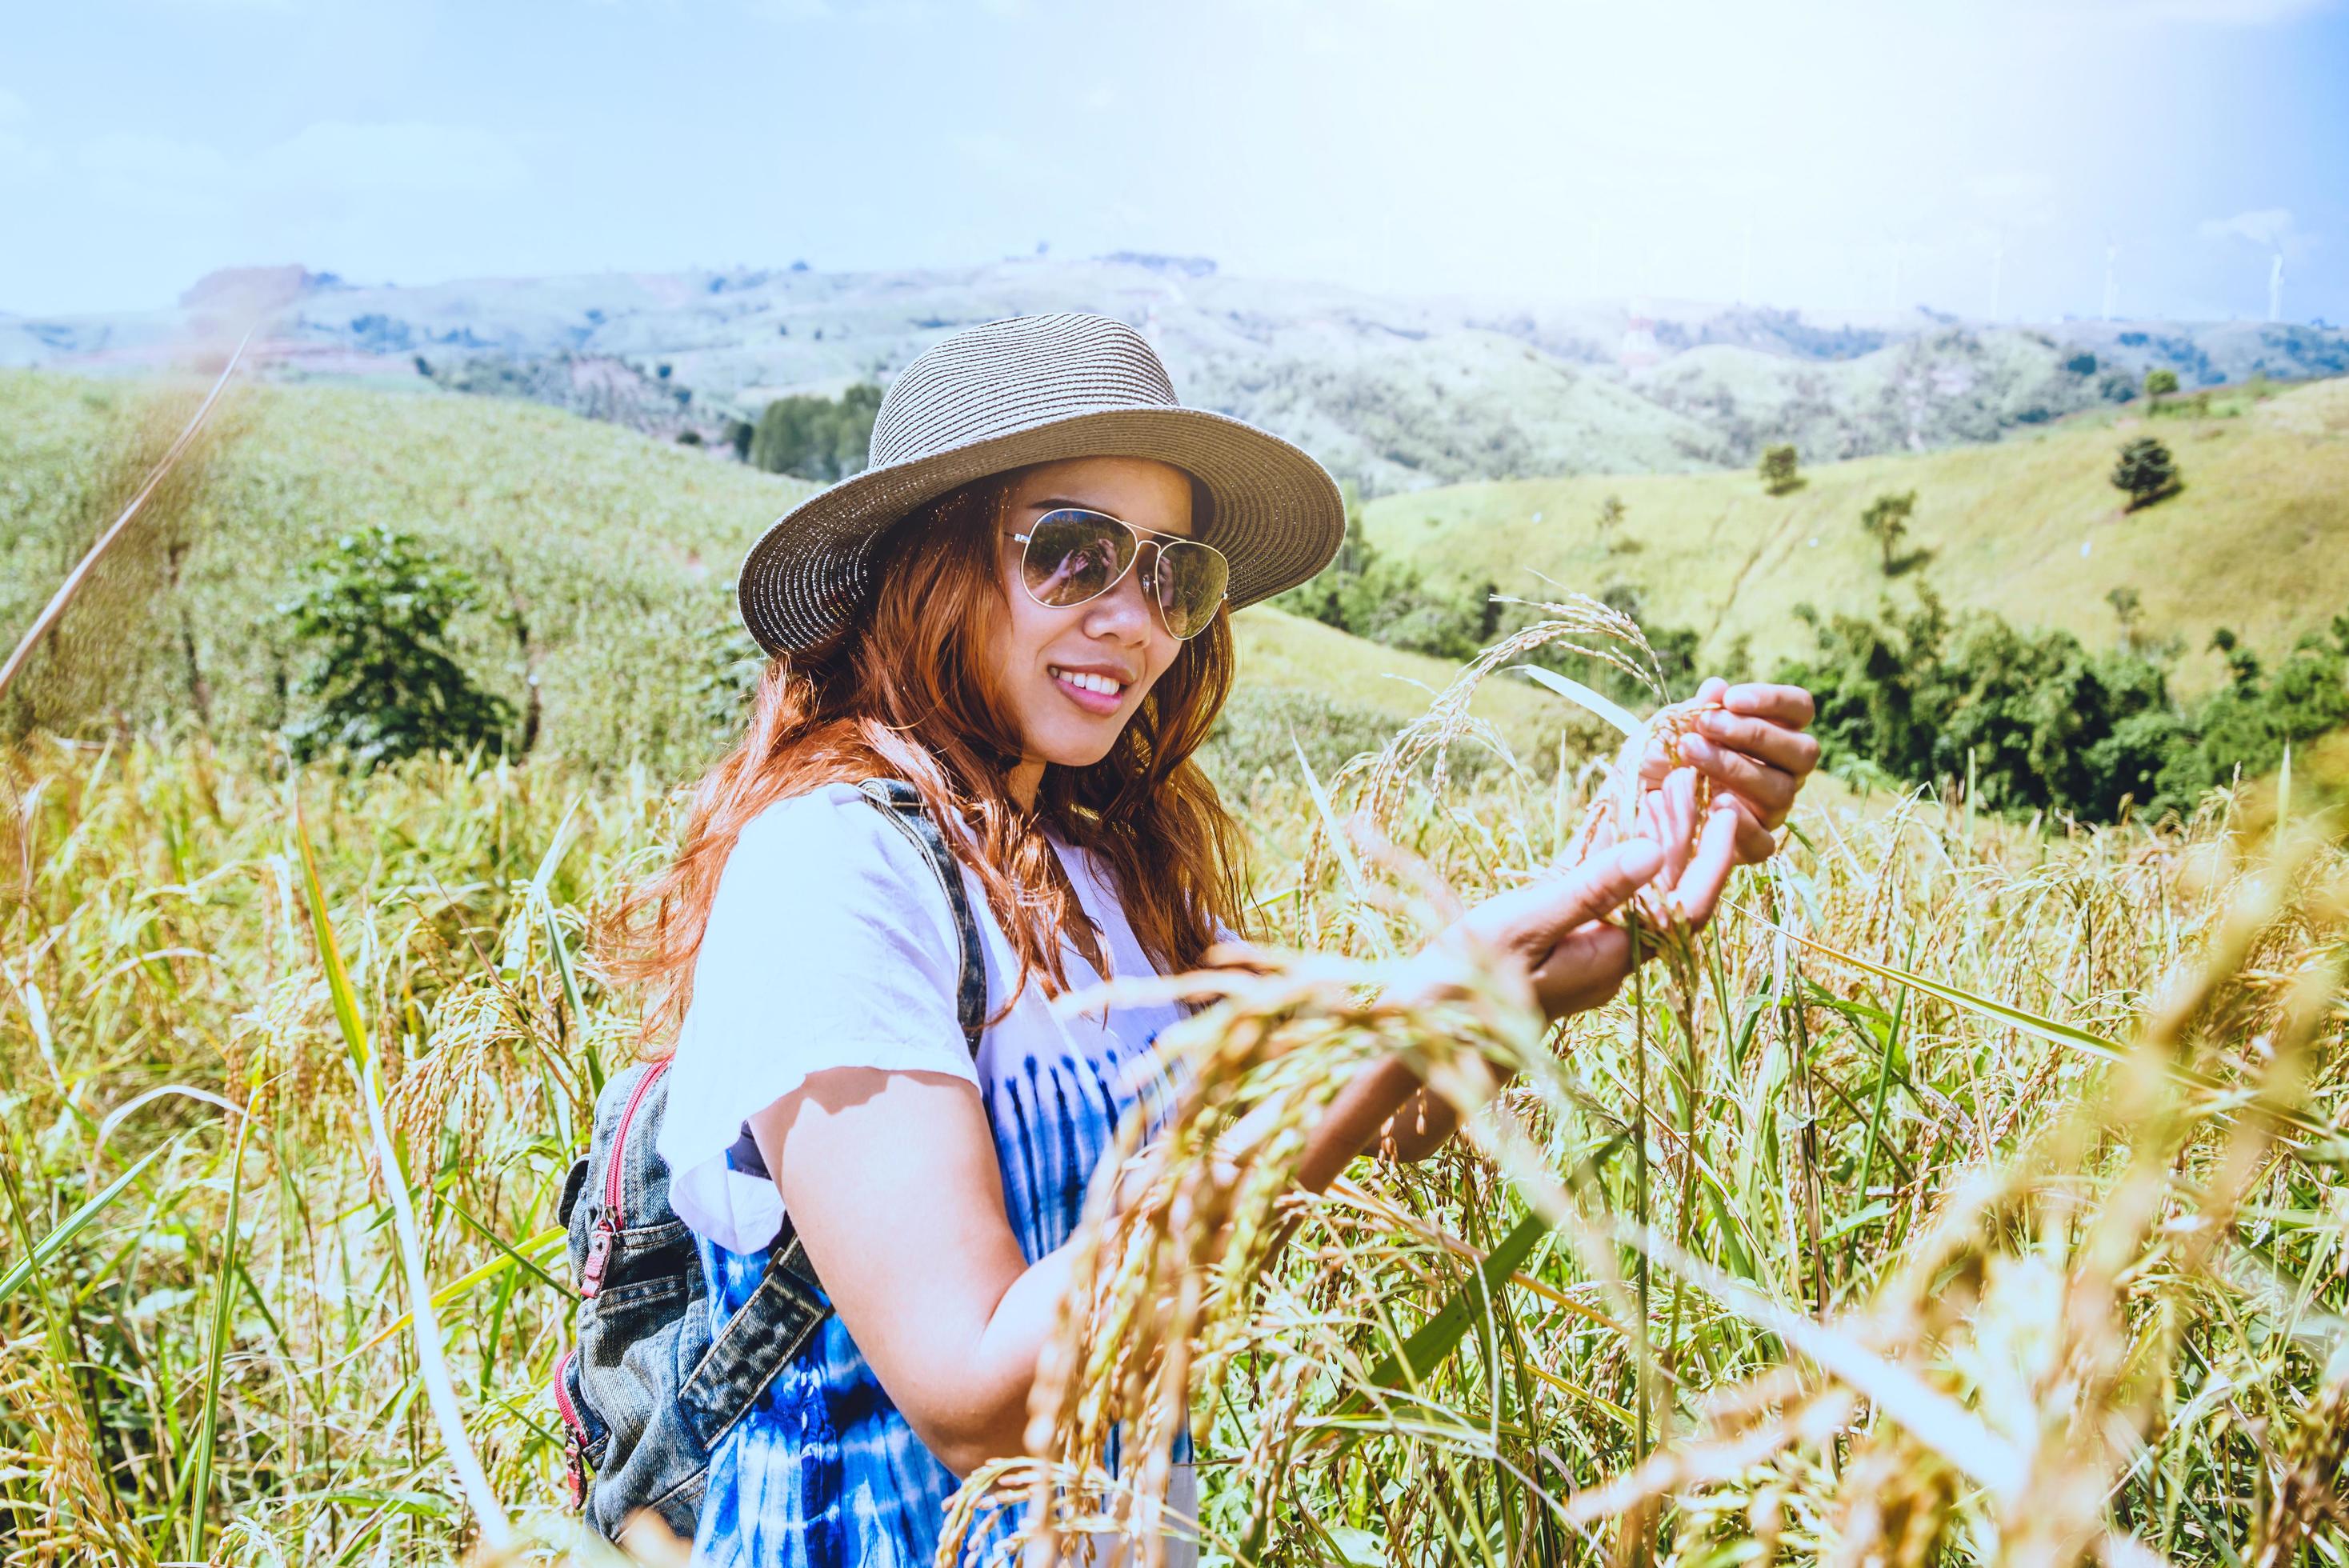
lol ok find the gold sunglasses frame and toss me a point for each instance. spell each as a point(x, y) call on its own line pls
point(1141, 537)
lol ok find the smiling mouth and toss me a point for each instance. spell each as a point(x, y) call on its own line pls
point(1099, 686)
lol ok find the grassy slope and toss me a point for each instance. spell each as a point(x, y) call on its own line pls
point(618, 547)
point(2031, 527)
point(1281, 651)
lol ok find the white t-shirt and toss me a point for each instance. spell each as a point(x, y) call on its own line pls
point(831, 944)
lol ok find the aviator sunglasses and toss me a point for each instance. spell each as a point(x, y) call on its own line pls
point(1071, 555)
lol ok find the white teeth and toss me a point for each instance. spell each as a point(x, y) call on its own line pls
point(1086, 682)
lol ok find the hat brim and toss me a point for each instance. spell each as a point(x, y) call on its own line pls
point(1277, 515)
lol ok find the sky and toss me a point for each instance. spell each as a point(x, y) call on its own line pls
point(1997, 158)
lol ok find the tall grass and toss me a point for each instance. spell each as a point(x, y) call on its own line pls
point(2040, 1258)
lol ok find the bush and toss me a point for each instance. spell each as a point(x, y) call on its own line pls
point(2044, 724)
point(1778, 470)
point(2161, 381)
point(376, 615)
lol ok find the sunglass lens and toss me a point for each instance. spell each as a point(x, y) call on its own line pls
point(1073, 556)
point(1192, 578)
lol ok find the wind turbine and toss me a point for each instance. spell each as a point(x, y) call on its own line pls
point(2111, 253)
point(2276, 288)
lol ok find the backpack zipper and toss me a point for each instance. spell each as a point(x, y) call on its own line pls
point(574, 1445)
point(609, 1222)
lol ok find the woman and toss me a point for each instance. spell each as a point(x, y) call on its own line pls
point(1022, 608)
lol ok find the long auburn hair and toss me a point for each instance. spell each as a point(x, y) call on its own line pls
point(906, 692)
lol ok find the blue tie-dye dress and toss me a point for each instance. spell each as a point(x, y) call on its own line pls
point(824, 1472)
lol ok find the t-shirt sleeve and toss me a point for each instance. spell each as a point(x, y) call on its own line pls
point(830, 944)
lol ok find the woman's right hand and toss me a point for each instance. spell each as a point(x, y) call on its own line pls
point(1557, 928)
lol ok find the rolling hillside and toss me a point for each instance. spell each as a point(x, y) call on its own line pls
point(605, 560)
point(1392, 393)
point(2030, 527)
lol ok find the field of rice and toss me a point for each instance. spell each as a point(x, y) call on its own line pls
point(2038, 1258)
point(1964, 1194)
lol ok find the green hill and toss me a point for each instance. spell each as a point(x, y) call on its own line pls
point(605, 560)
point(2030, 527)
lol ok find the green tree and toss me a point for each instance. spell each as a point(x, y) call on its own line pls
point(823, 439)
point(1777, 468)
point(374, 615)
point(2147, 471)
point(2161, 381)
point(1886, 521)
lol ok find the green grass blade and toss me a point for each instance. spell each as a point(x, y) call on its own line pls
point(1440, 1335)
point(330, 955)
point(73, 1225)
point(200, 1496)
point(571, 1003)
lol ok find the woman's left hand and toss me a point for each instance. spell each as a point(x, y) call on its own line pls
point(1753, 750)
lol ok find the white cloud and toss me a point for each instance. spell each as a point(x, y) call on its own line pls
point(2269, 227)
point(321, 165)
point(2013, 198)
point(157, 173)
point(339, 158)
point(21, 161)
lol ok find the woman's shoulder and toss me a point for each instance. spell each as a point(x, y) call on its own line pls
point(829, 823)
point(834, 842)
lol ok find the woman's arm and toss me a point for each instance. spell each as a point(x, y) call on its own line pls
point(891, 1179)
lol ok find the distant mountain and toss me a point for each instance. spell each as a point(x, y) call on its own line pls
point(1393, 393)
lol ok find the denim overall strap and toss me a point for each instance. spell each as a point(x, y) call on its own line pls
point(789, 1305)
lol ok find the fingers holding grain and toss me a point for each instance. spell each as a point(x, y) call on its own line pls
point(1764, 739)
point(1694, 897)
point(1756, 842)
point(1770, 791)
point(1532, 919)
point(1786, 705)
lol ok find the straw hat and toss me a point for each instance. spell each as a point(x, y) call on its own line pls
point(1034, 389)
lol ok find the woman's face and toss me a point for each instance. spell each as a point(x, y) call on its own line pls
point(1073, 677)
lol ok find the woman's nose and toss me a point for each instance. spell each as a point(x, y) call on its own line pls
point(1124, 613)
